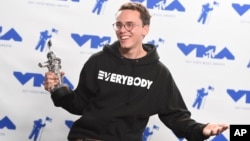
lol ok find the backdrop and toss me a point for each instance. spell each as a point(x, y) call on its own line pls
point(204, 43)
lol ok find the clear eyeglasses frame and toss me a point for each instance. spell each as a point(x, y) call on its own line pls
point(128, 26)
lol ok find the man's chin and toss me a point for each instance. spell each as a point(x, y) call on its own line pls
point(123, 45)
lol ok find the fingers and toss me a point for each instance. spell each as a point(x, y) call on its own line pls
point(50, 81)
point(214, 129)
point(62, 73)
point(219, 129)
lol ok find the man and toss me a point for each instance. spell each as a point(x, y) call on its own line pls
point(123, 85)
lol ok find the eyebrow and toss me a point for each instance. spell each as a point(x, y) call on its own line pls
point(125, 22)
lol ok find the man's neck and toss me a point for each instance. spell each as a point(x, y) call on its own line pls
point(132, 53)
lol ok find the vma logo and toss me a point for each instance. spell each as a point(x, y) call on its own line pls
point(241, 9)
point(44, 37)
point(220, 137)
point(38, 126)
point(202, 51)
point(237, 95)
point(201, 94)
point(248, 65)
point(95, 40)
point(37, 79)
point(157, 42)
point(98, 8)
point(148, 132)
point(11, 34)
point(163, 5)
point(7, 123)
point(69, 123)
point(206, 11)
point(70, 0)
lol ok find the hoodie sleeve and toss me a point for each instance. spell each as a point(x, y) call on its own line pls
point(75, 101)
point(176, 116)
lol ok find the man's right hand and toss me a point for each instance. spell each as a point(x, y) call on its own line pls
point(51, 80)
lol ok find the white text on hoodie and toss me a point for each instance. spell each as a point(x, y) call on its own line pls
point(124, 79)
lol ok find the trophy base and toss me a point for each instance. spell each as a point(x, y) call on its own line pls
point(60, 90)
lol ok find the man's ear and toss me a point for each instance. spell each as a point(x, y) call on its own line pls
point(145, 30)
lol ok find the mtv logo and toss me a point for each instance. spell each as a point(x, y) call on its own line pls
point(163, 5)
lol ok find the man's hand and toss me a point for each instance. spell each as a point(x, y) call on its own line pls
point(214, 129)
point(51, 80)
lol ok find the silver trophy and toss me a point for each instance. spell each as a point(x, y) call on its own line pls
point(54, 65)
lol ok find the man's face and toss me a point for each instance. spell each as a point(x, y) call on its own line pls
point(131, 37)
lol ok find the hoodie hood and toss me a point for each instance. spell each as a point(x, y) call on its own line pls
point(151, 57)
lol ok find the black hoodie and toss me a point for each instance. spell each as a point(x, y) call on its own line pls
point(116, 96)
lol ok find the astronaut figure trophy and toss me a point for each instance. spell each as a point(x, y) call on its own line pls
point(54, 65)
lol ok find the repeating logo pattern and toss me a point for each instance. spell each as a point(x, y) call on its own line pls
point(12, 35)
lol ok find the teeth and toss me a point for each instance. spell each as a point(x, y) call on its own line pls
point(124, 37)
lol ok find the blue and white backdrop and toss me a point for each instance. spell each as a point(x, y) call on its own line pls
point(204, 43)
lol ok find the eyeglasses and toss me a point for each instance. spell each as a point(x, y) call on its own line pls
point(128, 26)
